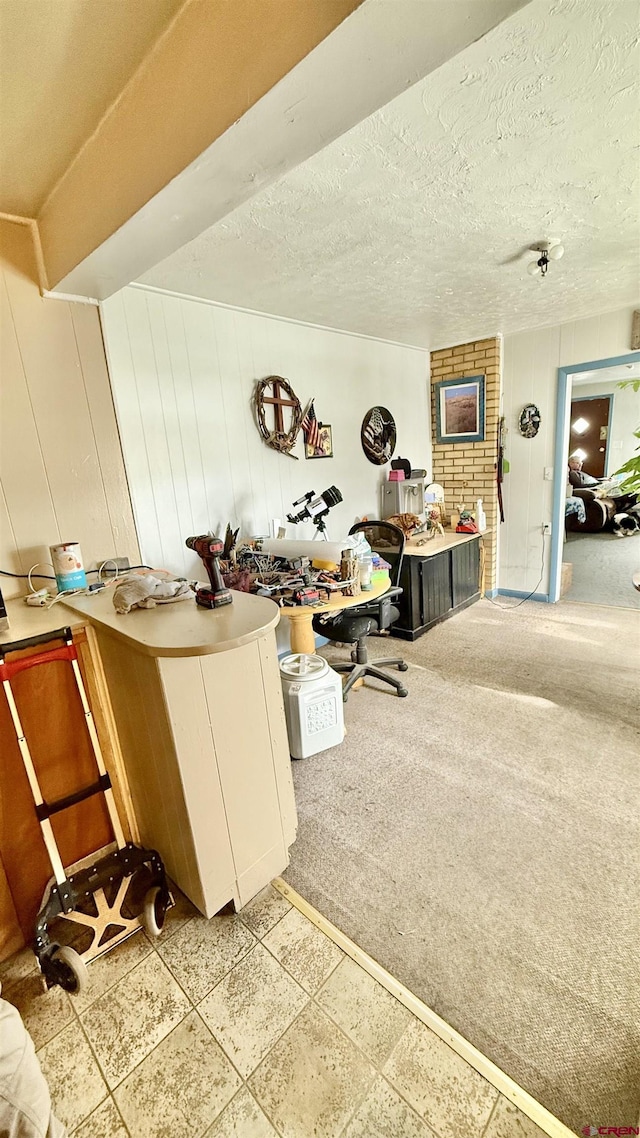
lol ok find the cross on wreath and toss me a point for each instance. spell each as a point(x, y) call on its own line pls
point(282, 395)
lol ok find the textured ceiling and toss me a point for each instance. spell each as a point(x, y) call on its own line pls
point(409, 226)
point(62, 63)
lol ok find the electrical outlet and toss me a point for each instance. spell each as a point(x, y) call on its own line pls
point(546, 529)
point(110, 564)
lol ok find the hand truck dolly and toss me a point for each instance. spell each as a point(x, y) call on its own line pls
point(99, 892)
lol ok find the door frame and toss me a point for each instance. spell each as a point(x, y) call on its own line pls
point(563, 416)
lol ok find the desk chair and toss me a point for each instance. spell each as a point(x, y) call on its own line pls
point(353, 625)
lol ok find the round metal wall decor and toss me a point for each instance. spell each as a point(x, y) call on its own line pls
point(529, 421)
point(378, 435)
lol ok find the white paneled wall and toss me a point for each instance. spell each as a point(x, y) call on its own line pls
point(530, 374)
point(183, 374)
point(62, 477)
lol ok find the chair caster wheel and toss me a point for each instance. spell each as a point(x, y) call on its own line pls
point(402, 692)
point(403, 667)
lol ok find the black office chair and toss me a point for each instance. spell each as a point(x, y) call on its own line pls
point(353, 625)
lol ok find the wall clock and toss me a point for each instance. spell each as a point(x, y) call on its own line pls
point(529, 421)
point(378, 435)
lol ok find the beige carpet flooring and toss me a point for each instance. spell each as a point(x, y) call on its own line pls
point(603, 566)
point(480, 839)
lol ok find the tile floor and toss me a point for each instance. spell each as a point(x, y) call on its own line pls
point(248, 1026)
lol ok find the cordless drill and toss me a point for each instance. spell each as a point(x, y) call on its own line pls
point(209, 549)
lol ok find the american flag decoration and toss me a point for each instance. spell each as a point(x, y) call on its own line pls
point(311, 426)
point(378, 435)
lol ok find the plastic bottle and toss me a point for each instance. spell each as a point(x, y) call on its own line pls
point(481, 517)
point(365, 565)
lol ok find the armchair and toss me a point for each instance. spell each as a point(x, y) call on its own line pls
point(599, 512)
point(354, 625)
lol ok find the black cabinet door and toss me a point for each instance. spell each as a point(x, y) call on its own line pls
point(465, 571)
point(410, 601)
point(436, 587)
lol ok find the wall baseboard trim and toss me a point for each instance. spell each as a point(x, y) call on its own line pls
point(490, 593)
point(522, 594)
point(493, 1074)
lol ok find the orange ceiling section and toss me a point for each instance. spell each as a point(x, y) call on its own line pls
point(62, 65)
point(218, 58)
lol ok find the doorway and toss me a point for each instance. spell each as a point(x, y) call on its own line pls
point(589, 431)
point(595, 422)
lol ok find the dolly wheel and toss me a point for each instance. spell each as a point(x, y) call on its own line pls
point(154, 911)
point(402, 692)
point(68, 969)
point(403, 667)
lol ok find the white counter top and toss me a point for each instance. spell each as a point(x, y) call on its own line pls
point(179, 629)
point(26, 621)
point(437, 544)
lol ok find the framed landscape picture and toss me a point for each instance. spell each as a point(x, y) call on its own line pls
point(460, 410)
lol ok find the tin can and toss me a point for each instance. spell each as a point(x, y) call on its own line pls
point(67, 566)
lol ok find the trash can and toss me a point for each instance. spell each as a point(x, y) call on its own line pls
point(313, 704)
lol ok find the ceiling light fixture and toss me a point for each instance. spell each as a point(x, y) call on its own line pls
point(548, 251)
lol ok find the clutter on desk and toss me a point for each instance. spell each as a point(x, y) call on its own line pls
point(302, 573)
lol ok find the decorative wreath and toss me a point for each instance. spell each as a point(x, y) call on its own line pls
point(281, 441)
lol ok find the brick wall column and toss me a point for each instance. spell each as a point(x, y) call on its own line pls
point(467, 471)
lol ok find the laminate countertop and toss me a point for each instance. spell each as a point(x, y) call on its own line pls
point(433, 545)
point(25, 621)
point(181, 628)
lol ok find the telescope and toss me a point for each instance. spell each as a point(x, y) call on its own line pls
point(316, 509)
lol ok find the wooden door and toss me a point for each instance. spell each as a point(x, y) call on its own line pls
point(589, 433)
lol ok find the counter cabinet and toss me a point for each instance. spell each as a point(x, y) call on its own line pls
point(436, 585)
point(197, 701)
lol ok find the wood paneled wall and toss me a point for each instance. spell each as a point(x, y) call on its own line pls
point(62, 475)
point(183, 374)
